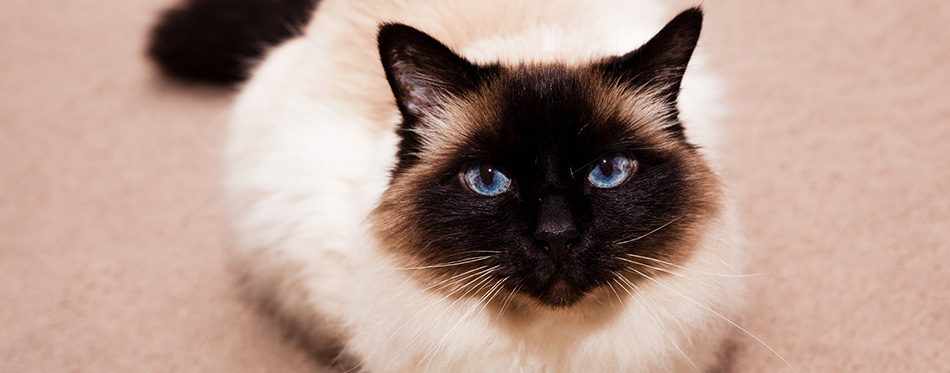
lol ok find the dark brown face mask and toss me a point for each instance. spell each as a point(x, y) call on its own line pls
point(546, 176)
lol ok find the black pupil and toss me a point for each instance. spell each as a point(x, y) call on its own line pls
point(606, 166)
point(487, 173)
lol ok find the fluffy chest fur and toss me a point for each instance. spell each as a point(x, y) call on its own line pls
point(338, 165)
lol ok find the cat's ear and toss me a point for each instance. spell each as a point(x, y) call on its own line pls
point(422, 72)
point(661, 62)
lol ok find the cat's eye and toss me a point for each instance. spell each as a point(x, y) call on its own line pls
point(611, 170)
point(484, 179)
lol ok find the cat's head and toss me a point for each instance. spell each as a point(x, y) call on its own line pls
point(545, 180)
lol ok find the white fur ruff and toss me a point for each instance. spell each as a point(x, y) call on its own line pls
point(310, 144)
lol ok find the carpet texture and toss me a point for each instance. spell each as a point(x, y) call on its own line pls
point(113, 249)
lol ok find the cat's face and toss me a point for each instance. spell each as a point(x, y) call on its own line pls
point(543, 180)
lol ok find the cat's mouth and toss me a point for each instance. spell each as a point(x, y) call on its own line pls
point(557, 291)
point(551, 282)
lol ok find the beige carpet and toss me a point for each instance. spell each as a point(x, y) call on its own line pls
point(113, 253)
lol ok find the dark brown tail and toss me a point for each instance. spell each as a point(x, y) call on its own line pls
point(218, 41)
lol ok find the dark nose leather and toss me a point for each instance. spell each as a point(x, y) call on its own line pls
point(555, 229)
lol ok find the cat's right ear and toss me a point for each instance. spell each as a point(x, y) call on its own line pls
point(421, 71)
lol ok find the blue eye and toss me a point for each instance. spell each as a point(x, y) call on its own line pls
point(486, 180)
point(611, 171)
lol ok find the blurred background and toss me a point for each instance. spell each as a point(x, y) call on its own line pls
point(113, 249)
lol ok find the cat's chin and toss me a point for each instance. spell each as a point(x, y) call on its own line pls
point(559, 294)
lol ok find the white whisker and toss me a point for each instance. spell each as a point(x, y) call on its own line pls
point(504, 304)
point(656, 318)
point(621, 242)
point(481, 301)
point(720, 316)
point(481, 276)
point(450, 264)
point(677, 274)
point(478, 269)
point(695, 270)
point(657, 305)
point(656, 268)
point(610, 284)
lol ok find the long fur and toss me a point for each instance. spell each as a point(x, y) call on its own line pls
point(310, 147)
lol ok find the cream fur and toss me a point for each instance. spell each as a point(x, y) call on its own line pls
point(311, 140)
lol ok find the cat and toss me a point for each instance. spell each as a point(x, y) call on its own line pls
point(487, 185)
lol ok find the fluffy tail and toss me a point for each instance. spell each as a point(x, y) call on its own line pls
point(218, 41)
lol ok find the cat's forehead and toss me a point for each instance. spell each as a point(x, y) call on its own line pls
point(528, 110)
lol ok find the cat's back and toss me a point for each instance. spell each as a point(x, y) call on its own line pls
point(336, 61)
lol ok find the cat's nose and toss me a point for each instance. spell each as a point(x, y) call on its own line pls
point(556, 230)
point(557, 242)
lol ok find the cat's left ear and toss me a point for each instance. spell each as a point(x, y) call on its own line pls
point(661, 62)
point(422, 72)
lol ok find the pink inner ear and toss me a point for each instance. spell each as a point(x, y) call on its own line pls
point(420, 89)
point(421, 70)
point(418, 97)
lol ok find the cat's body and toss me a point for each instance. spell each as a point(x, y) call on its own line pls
point(310, 155)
